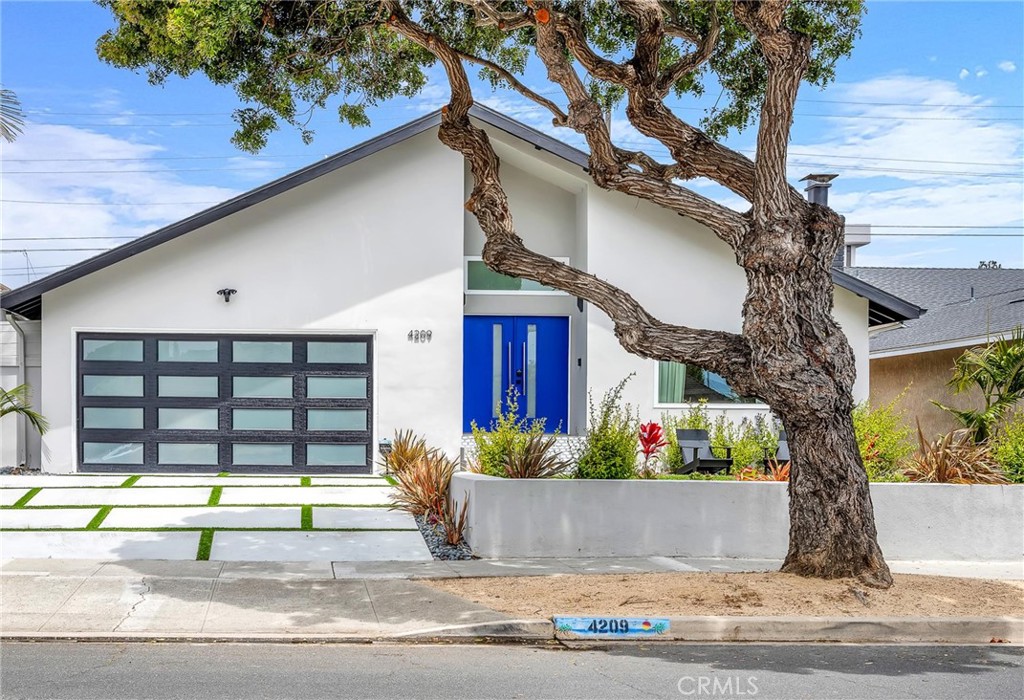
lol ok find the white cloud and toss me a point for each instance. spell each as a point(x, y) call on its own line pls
point(1007, 66)
point(964, 73)
point(981, 73)
point(890, 158)
point(114, 204)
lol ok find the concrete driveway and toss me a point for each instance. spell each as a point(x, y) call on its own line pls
point(223, 518)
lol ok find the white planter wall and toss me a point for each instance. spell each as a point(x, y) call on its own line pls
point(636, 518)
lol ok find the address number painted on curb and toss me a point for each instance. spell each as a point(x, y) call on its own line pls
point(617, 627)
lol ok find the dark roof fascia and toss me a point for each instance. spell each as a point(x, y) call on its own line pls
point(25, 300)
point(537, 139)
point(896, 309)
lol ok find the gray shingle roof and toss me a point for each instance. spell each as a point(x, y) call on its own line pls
point(962, 304)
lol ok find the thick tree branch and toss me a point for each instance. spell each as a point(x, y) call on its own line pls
point(504, 251)
point(787, 54)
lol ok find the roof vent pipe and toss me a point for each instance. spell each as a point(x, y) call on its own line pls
point(817, 187)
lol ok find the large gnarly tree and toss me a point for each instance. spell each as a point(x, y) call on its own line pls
point(287, 57)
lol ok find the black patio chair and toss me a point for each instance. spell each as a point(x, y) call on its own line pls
point(781, 455)
point(697, 454)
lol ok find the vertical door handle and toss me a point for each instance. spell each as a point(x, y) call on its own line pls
point(524, 370)
point(509, 372)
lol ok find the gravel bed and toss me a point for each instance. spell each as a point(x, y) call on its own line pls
point(434, 536)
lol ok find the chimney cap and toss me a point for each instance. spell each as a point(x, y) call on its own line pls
point(819, 178)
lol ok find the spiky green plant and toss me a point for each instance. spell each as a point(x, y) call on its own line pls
point(16, 402)
point(536, 459)
point(954, 458)
point(997, 371)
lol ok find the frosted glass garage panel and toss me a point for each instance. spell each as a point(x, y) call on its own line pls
point(335, 352)
point(187, 418)
point(112, 452)
point(112, 350)
point(336, 387)
point(201, 453)
point(261, 351)
point(113, 418)
point(112, 385)
point(335, 419)
point(195, 387)
point(260, 454)
point(323, 455)
point(187, 351)
point(261, 419)
point(262, 387)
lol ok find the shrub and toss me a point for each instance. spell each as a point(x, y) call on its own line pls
point(749, 440)
point(776, 472)
point(507, 437)
point(536, 460)
point(407, 450)
point(954, 458)
point(883, 438)
point(609, 450)
point(695, 418)
point(1008, 448)
point(421, 489)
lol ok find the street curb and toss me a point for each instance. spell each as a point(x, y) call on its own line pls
point(864, 630)
point(713, 629)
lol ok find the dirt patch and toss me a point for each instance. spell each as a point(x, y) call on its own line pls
point(757, 594)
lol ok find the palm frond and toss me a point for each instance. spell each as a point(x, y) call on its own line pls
point(16, 402)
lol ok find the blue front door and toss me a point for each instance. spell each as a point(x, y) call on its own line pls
point(529, 353)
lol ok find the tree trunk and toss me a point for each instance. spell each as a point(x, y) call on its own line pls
point(831, 520)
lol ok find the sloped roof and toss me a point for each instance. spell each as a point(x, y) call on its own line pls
point(883, 307)
point(963, 305)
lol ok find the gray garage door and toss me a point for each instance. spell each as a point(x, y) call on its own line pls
point(211, 403)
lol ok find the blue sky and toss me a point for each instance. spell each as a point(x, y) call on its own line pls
point(925, 125)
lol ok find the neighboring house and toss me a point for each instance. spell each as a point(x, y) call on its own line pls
point(965, 308)
point(173, 352)
point(19, 364)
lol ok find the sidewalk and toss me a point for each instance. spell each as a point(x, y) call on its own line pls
point(368, 601)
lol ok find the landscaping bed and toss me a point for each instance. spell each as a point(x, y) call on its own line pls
point(745, 594)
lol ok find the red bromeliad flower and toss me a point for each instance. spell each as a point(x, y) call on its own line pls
point(652, 439)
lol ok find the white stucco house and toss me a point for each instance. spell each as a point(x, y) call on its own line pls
point(294, 327)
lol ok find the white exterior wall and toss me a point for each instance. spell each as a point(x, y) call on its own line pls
point(682, 273)
point(373, 247)
point(20, 364)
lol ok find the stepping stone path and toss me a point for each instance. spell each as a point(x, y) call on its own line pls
point(199, 517)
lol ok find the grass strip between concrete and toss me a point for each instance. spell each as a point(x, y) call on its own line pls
point(101, 515)
point(130, 481)
point(305, 481)
point(205, 545)
point(20, 503)
point(307, 517)
point(215, 494)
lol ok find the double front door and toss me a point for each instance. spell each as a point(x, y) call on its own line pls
point(528, 355)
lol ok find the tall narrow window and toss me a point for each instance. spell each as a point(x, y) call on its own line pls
point(496, 367)
point(531, 370)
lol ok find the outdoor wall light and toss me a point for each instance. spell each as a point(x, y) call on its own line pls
point(226, 293)
point(384, 447)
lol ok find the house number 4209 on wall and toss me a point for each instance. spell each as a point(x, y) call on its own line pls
point(420, 336)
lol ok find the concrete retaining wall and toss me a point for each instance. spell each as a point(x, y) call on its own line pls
point(592, 518)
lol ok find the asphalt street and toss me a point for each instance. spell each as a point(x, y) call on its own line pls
point(277, 671)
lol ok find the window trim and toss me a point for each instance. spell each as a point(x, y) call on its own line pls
point(506, 292)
